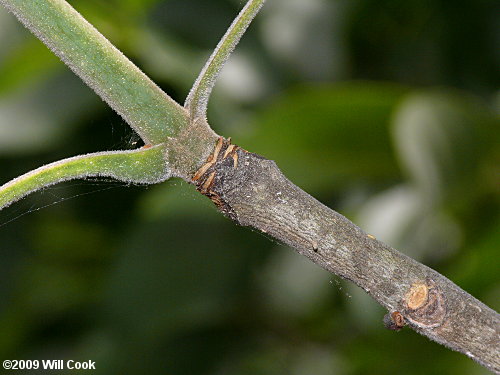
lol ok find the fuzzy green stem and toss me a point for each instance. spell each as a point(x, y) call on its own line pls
point(197, 100)
point(141, 103)
point(142, 166)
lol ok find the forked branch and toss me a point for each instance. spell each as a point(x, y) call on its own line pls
point(246, 187)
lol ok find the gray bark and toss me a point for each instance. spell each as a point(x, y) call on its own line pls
point(252, 191)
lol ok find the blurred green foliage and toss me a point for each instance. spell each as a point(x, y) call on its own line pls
point(386, 111)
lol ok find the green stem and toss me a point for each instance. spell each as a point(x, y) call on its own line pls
point(197, 100)
point(142, 166)
point(142, 104)
point(183, 141)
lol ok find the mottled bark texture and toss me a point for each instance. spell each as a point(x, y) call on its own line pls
point(252, 191)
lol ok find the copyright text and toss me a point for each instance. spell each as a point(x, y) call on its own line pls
point(48, 364)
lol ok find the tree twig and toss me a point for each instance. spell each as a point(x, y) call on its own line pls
point(252, 191)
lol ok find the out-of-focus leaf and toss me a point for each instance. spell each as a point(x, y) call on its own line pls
point(187, 266)
point(29, 63)
point(37, 117)
point(165, 57)
point(389, 355)
point(51, 289)
point(134, 6)
point(400, 217)
point(440, 138)
point(55, 235)
point(326, 137)
point(164, 285)
point(198, 22)
point(477, 268)
point(304, 35)
point(284, 293)
point(173, 200)
point(425, 42)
